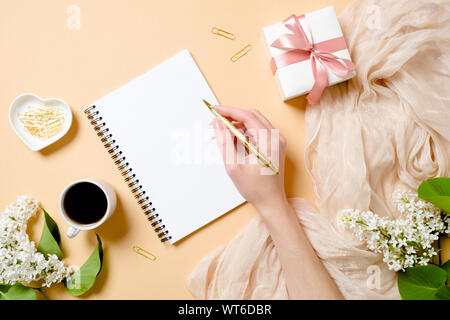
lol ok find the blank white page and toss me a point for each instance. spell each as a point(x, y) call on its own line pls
point(162, 127)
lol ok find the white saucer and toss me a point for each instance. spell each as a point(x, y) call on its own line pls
point(19, 105)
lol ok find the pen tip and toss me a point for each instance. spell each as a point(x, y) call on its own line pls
point(207, 103)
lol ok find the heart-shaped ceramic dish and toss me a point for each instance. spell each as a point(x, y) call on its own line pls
point(19, 105)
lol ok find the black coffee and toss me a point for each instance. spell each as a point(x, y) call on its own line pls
point(85, 203)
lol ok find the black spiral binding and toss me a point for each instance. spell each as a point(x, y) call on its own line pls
point(126, 171)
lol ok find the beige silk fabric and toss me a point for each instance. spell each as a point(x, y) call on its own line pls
point(386, 129)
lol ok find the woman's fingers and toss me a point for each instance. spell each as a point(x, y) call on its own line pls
point(239, 125)
point(258, 128)
point(225, 142)
point(248, 118)
point(262, 118)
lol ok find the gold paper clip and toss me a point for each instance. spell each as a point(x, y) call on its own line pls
point(241, 53)
point(223, 33)
point(144, 253)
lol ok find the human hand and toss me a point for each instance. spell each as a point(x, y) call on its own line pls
point(257, 183)
point(266, 192)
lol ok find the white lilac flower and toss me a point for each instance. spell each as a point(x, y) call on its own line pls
point(404, 242)
point(19, 259)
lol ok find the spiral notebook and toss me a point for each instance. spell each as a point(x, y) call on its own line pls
point(156, 129)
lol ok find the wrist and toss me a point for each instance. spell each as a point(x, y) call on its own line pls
point(279, 218)
point(274, 208)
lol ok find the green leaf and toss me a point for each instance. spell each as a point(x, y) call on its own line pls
point(436, 191)
point(82, 280)
point(443, 293)
point(16, 292)
point(446, 267)
point(421, 282)
point(4, 287)
point(412, 243)
point(50, 238)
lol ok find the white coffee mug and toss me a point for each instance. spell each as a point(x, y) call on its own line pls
point(111, 199)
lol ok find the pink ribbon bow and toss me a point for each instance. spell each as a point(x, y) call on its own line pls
point(302, 48)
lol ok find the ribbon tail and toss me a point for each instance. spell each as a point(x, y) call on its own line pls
point(321, 80)
point(339, 66)
point(350, 65)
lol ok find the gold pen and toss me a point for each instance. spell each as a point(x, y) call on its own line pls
point(243, 139)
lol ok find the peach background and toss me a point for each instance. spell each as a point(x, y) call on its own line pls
point(118, 41)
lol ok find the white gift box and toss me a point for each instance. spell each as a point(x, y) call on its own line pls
point(297, 79)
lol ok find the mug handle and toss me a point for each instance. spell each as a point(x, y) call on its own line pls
point(72, 232)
